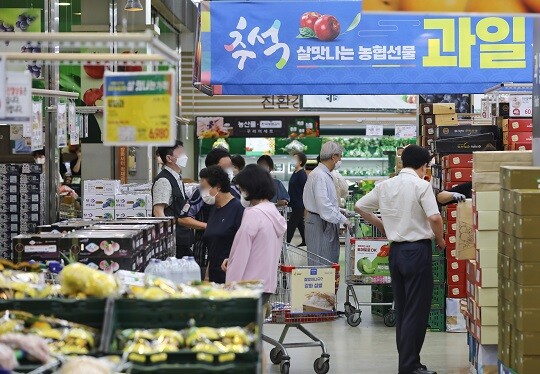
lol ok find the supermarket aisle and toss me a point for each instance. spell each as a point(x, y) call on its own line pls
point(370, 347)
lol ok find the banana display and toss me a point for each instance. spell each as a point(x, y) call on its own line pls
point(139, 344)
point(61, 336)
point(23, 285)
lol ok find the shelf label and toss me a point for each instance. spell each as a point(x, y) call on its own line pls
point(405, 131)
point(374, 130)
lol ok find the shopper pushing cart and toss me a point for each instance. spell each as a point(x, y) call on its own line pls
point(410, 218)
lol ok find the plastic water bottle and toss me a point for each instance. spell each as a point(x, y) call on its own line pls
point(194, 270)
point(182, 267)
point(153, 267)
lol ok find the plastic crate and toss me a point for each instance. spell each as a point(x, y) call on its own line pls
point(237, 368)
point(435, 253)
point(438, 300)
point(437, 320)
point(439, 270)
point(89, 312)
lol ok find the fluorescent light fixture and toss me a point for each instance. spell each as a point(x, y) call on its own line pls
point(64, 4)
point(77, 13)
point(133, 6)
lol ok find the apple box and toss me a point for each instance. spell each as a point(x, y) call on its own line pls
point(371, 257)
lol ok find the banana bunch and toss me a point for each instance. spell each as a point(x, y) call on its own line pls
point(78, 280)
point(22, 285)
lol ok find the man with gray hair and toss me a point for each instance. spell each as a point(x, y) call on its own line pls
point(321, 202)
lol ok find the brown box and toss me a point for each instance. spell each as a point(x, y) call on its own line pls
point(506, 200)
point(442, 108)
point(528, 343)
point(504, 247)
point(526, 297)
point(507, 310)
point(525, 202)
point(520, 177)
point(505, 222)
point(518, 125)
point(527, 364)
point(439, 120)
point(525, 250)
point(504, 267)
point(526, 273)
point(527, 227)
point(527, 319)
point(465, 239)
point(429, 130)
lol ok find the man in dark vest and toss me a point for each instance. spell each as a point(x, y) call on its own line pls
point(169, 196)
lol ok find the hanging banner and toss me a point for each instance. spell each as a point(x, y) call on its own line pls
point(258, 127)
point(360, 103)
point(18, 99)
point(72, 124)
point(36, 140)
point(61, 125)
point(139, 109)
point(3, 82)
point(330, 47)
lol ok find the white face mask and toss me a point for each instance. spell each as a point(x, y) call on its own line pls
point(338, 165)
point(230, 173)
point(243, 200)
point(40, 160)
point(207, 198)
point(182, 161)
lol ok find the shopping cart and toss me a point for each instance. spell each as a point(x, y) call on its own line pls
point(294, 277)
point(366, 264)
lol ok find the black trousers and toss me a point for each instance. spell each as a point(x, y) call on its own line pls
point(296, 220)
point(412, 285)
point(183, 250)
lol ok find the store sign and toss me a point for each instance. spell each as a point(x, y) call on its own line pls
point(37, 139)
point(313, 290)
point(280, 102)
point(374, 130)
point(122, 170)
point(18, 108)
point(258, 127)
point(139, 108)
point(261, 48)
point(360, 103)
point(405, 131)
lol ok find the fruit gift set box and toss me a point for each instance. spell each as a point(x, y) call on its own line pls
point(370, 260)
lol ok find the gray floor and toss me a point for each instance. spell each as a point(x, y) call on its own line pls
point(370, 347)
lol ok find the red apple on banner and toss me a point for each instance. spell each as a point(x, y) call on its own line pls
point(91, 96)
point(308, 19)
point(327, 28)
point(95, 71)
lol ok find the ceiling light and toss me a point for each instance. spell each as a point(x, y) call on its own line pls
point(77, 13)
point(64, 4)
point(133, 6)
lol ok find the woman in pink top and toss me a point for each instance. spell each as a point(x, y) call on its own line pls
point(257, 245)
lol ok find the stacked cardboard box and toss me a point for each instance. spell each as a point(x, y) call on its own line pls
point(515, 118)
point(519, 263)
point(433, 115)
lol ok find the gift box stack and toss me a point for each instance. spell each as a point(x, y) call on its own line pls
point(482, 269)
point(519, 263)
point(22, 189)
point(432, 116)
point(515, 119)
point(103, 199)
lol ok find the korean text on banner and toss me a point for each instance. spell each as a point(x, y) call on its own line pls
point(18, 99)
point(139, 109)
point(258, 48)
point(313, 290)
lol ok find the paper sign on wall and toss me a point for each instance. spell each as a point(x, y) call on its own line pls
point(61, 125)
point(72, 124)
point(18, 99)
point(374, 130)
point(36, 141)
point(405, 131)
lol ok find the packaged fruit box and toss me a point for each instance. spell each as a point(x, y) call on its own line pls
point(371, 257)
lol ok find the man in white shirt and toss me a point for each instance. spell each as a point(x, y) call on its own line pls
point(410, 219)
point(321, 202)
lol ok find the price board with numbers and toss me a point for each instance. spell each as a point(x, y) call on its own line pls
point(139, 109)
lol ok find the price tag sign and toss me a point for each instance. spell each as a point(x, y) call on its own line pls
point(61, 125)
point(374, 130)
point(405, 131)
point(72, 124)
point(139, 109)
point(37, 126)
point(18, 108)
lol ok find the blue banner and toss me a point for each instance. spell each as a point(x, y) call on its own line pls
point(330, 47)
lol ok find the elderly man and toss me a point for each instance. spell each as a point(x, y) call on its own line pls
point(321, 202)
point(411, 219)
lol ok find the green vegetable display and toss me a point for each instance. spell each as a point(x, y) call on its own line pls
point(356, 146)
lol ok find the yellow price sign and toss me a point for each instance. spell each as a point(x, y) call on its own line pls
point(139, 109)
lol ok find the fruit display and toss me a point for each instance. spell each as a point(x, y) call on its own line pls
point(23, 285)
point(138, 344)
point(62, 337)
point(364, 147)
point(78, 280)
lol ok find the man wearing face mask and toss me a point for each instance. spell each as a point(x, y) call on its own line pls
point(169, 196)
point(223, 222)
point(197, 212)
point(321, 202)
point(410, 219)
point(39, 158)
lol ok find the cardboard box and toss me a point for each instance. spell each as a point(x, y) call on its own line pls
point(458, 161)
point(429, 130)
point(458, 291)
point(442, 108)
point(527, 320)
point(526, 297)
point(517, 137)
point(506, 200)
point(486, 239)
point(96, 202)
point(485, 177)
point(39, 247)
point(456, 266)
point(528, 364)
point(486, 296)
point(456, 279)
point(427, 141)
point(526, 202)
point(521, 146)
point(486, 200)
point(520, 177)
point(102, 243)
point(133, 201)
point(462, 145)
point(528, 343)
point(518, 125)
point(487, 258)
point(480, 186)
point(458, 175)
point(466, 130)
point(487, 277)
point(126, 213)
point(486, 220)
point(450, 212)
point(500, 110)
point(526, 273)
point(521, 105)
point(501, 156)
point(438, 120)
point(464, 238)
point(450, 227)
point(451, 253)
point(101, 187)
point(525, 250)
point(148, 230)
point(487, 316)
point(105, 214)
point(487, 335)
point(527, 227)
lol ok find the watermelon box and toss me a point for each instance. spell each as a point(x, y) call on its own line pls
point(371, 257)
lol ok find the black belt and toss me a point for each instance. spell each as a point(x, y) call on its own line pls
point(313, 213)
point(426, 241)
